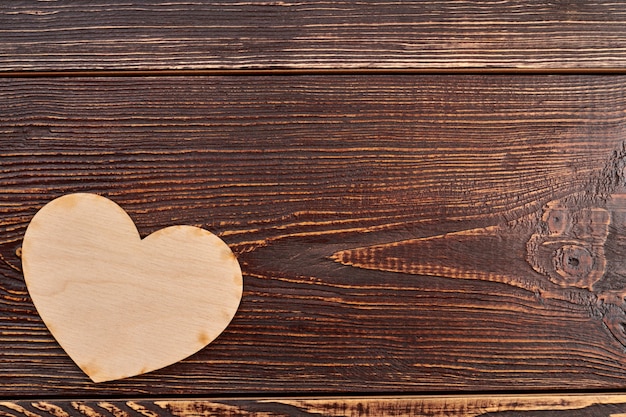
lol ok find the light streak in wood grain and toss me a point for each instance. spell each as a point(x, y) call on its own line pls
point(51, 408)
point(113, 409)
point(18, 409)
point(136, 406)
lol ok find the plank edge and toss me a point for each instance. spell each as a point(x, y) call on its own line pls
point(393, 405)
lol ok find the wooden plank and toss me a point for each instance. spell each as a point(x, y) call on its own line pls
point(450, 175)
point(582, 405)
point(175, 35)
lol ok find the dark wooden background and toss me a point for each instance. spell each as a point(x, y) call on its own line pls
point(378, 168)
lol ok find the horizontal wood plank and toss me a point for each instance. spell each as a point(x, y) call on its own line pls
point(175, 35)
point(610, 405)
point(389, 228)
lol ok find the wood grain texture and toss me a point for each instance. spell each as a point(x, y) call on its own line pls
point(290, 172)
point(590, 405)
point(173, 35)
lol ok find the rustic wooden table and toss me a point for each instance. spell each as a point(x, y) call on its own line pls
point(427, 199)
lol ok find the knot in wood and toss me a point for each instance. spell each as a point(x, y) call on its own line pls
point(568, 247)
point(572, 262)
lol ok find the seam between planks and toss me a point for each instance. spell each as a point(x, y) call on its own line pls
point(321, 72)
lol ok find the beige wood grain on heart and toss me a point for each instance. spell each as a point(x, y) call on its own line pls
point(120, 305)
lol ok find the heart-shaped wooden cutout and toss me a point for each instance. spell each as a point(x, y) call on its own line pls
point(120, 305)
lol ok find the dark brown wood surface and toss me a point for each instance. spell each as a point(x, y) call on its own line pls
point(172, 35)
point(612, 405)
point(401, 231)
point(384, 224)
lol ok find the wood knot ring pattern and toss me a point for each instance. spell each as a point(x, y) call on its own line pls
point(569, 248)
point(583, 248)
point(120, 305)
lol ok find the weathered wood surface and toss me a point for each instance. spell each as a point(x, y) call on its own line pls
point(297, 174)
point(592, 405)
point(173, 35)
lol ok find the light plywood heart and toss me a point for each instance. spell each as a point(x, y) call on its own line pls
point(120, 305)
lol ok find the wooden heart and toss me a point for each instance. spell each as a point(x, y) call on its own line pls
point(120, 305)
